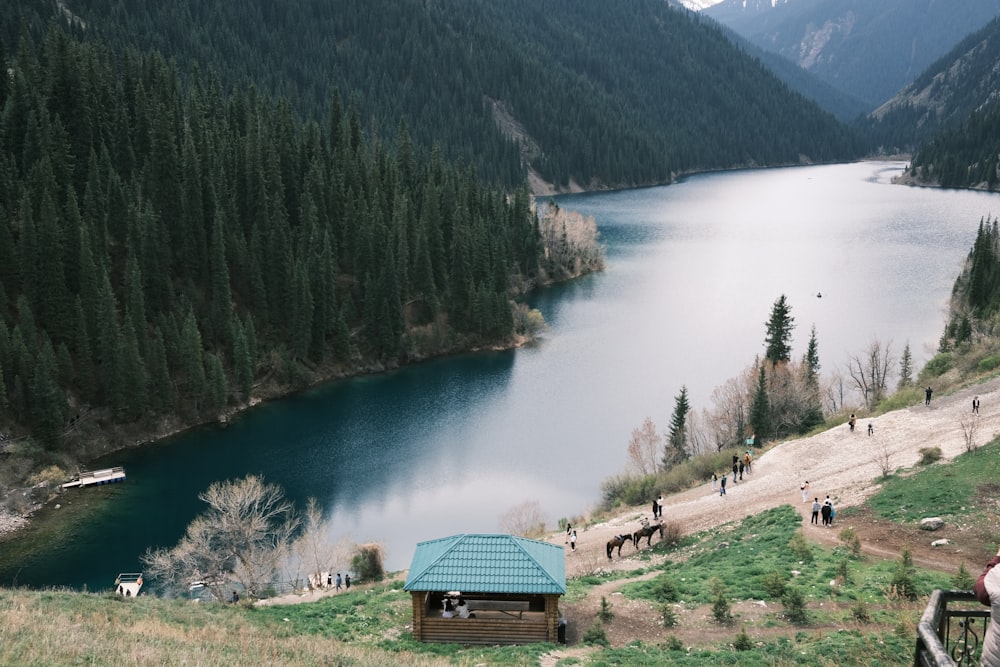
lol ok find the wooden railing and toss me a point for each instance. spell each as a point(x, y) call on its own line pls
point(947, 637)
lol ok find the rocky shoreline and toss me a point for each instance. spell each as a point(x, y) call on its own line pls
point(10, 522)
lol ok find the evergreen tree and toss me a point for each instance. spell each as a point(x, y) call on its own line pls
point(906, 368)
point(48, 402)
point(760, 408)
point(675, 448)
point(778, 340)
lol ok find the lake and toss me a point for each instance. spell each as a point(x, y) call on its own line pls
point(449, 446)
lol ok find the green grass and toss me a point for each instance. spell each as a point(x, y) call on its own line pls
point(945, 490)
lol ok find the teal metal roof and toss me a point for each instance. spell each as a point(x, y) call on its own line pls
point(488, 564)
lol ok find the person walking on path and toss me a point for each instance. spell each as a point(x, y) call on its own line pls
point(339, 580)
point(987, 591)
point(659, 506)
point(715, 482)
point(722, 485)
point(569, 530)
point(852, 422)
point(871, 429)
point(347, 581)
point(805, 491)
point(825, 510)
point(741, 470)
point(656, 508)
point(975, 405)
point(747, 459)
point(572, 541)
point(815, 511)
point(736, 470)
point(927, 395)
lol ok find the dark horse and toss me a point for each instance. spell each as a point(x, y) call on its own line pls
point(618, 541)
point(647, 532)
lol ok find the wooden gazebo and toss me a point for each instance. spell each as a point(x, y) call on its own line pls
point(512, 586)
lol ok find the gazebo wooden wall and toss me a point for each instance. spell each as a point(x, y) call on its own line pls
point(486, 628)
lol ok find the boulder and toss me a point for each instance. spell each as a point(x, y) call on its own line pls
point(940, 543)
point(931, 523)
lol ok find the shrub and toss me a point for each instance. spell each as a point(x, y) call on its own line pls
point(669, 615)
point(843, 573)
point(929, 455)
point(850, 538)
point(720, 603)
point(674, 644)
point(672, 533)
point(367, 563)
point(902, 584)
point(962, 580)
point(773, 584)
point(795, 606)
point(664, 588)
point(939, 365)
point(605, 613)
point(595, 634)
point(742, 641)
point(989, 363)
point(800, 547)
point(860, 612)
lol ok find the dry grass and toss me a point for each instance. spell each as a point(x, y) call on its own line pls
point(57, 628)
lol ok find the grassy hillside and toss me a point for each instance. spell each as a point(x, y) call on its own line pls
point(755, 592)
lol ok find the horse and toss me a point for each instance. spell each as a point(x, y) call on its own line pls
point(618, 541)
point(647, 532)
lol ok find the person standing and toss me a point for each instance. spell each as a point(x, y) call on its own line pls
point(815, 511)
point(715, 482)
point(825, 510)
point(656, 509)
point(871, 429)
point(235, 598)
point(569, 530)
point(338, 581)
point(659, 506)
point(722, 485)
point(975, 405)
point(987, 591)
point(927, 395)
point(347, 582)
point(746, 460)
point(852, 422)
point(741, 470)
point(736, 469)
point(572, 541)
point(805, 491)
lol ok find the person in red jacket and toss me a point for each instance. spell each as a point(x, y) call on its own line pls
point(987, 590)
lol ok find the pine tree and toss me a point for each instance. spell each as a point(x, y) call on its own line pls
point(906, 367)
point(760, 408)
point(778, 340)
point(675, 448)
point(47, 400)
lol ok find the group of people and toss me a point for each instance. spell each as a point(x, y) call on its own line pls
point(826, 510)
point(740, 466)
point(458, 607)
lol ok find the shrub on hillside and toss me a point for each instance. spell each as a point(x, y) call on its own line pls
point(367, 563)
point(795, 606)
point(929, 455)
point(595, 634)
point(800, 547)
point(988, 364)
point(850, 538)
point(939, 365)
point(773, 584)
point(664, 588)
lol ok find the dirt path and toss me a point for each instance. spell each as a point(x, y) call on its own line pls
point(835, 462)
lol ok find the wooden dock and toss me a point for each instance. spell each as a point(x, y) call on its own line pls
point(96, 477)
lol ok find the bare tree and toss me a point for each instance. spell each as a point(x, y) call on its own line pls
point(835, 393)
point(882, 457)
point(970, 431)
point(312, 548)
point(870, 371)
point(570, 242)
point(644, 447)
point(242, 537)
point(524, 519)
point(728, 421)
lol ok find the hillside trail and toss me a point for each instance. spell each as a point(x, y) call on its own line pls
point(836, 462)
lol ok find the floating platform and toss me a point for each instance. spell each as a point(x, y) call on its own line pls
point(128, 584)
point(96, 477)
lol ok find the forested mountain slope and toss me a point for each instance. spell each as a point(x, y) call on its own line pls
point(869, 49)
point(952, 108)
point(166, 247)
point(607, 94)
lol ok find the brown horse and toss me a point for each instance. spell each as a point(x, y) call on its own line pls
point(618, 541)
point(647, 532)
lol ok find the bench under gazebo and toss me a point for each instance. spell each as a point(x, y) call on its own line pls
point(511, 584)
